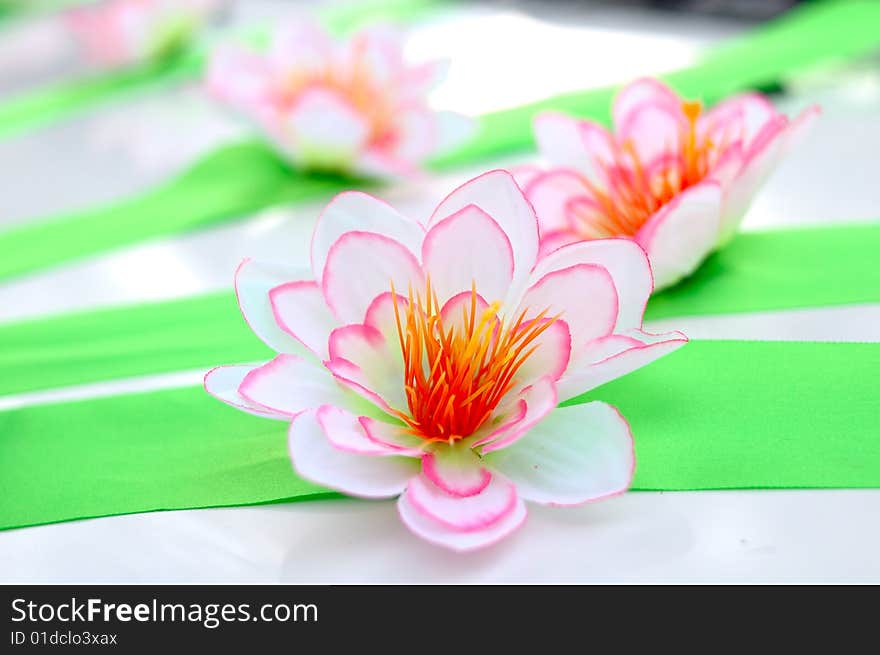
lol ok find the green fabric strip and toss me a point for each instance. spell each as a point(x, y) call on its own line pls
point(713, 415)
point(236, 180)
point(34, 108)
point(782, 269)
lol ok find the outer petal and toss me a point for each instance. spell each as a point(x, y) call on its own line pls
point(438, 533)
point(639, 92)
point(767, 148)
point(465, 249)
point(223, 382)
point(576, 455)
point(573, 143)
point(300, 310)
point(585, 297)
point(356, 211)
point(253, 281)
point(497, 194)
point(316, 459)
point(624, 260)
point(473, 512)
point(741, 117)
point(290, 385)
point(551, 193)
point(611, 357)
point(325, 130)
point(680, 236)
point(455, 469)
point(362, 266)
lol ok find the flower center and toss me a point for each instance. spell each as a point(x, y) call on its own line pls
point(634, 192)
point(354, 83)
point(459, 365)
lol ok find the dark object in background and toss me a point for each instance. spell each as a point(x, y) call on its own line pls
point(748, 9)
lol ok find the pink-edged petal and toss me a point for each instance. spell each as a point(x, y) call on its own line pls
point(536, 402)
point(555, 240)
point(636, 94)
point(609, 358)
point(739, 118)
point(223, 382)
point(468, 248)
point(436, 532)
point(377, 162)
point(682, 233)
point(551, 355)
point(654, 130)
point(324, 130)
point(583, 295)
point(572, 143)
point(362, 266)
point(416, 134)
point(365, 476)
point(290, 385)
point(300, 310)
point(356, 211)
point(391, 436)
point(455, 469)
point(523, 174)
point(473, 512)
point(577, 454)
point(497, 194)
point(624, 260)
point(551, 193)
point(361, 359)
point(347, 432)
point(383, 313)
point(253, 282)
point(765, 152)
point(238, 77)
point(461, 306)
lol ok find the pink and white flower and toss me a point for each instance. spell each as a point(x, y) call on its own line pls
point(428, 362)
point(354, 106)
point(675, 180)
point(117, 32)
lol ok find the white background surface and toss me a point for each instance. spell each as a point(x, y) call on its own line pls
point(730, 536)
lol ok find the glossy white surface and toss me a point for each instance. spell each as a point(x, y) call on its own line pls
point(730, 536)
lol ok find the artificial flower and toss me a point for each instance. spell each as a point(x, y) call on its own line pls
point(428, 362)
point(673, 178)
point(353, 106)
point(117, 32)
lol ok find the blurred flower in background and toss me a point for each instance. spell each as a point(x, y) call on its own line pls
point(353, 106)
point(118, 32)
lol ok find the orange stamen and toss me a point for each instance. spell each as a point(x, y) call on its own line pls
point(633, 193)
point(456, 372)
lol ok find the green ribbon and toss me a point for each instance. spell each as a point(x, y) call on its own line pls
point(34, 108)
point(781, 269)
point(713, 415)
point(236, 180)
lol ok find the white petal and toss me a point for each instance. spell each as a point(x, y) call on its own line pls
point(301, 311)
point(465, 249)
point(575, 455)
point(316, 459)
point(458, 540)
point(682, 233)
point(356, 211)
point(290, 385)
point(223, 382)
point(253, 281)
